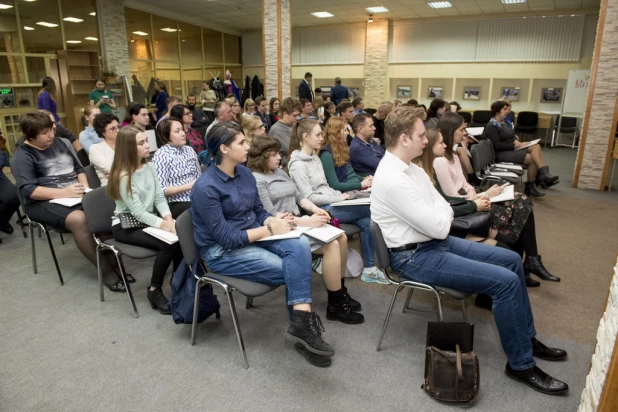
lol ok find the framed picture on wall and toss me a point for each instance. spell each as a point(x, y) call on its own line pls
point(551, 94)
point(404, 91)
point(435, 92)
point(472, 93)
point(354, 92)
point(511, 93)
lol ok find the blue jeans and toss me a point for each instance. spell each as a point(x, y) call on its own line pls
point(361, 217)
point(477, 268)
point(278, 262)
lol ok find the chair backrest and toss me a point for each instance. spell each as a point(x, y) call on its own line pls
point(99, 210)
point(528, 118)
point(567, 122)
point(481, 116)
point(481, 156)
point(379, 246)
point(467, 116)
point(491, 147)
point(83, 157)
point(371, 111)
point(511, 117)
point(184, 231)
point(93, 178)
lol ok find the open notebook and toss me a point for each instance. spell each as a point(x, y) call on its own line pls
point(163, 235)
point(69, 201)
point(530, 143)
point(353, 202)
point(324, 233)
point(508, 193)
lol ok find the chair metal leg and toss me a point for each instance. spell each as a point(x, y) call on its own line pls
point(126, 284)
point(230, 299)
point(20, 222)
point(33, 247)
point(39, 231)
point(440, 316)
point(196, 306)
point(388, 316)
point(53, 253)
point(464, 309)
point(408, 299)
point(61, 238)
point(249, 303)
point(100, 274)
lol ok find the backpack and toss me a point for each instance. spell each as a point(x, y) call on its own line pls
point(182, 301)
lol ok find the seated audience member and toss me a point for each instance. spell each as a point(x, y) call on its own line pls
point(262, 111)
point(89, 136)
point(282, 130)
point(171, 101)
point(61, 131)
point(378, 120)
point(252, 126)
point(45, 169)
point(279, 194)
point(273, 112)
point(346, 111)
point(365, 152)
point(102, 154)
point(135, 187)
point(308, 175)
point(223, 113)
point(249, 108)
point(335, 158)
point(318, 108)
point(207, 96)
point(457, 106)
point(236, 109)
point(199, 117)
point(509, 108)
point(513, 220)
point(307, 110)
point(422, 106)
point(329, 111)
point(9, 202)
point(137, 115)
point(184, 115)
point(436, 109)
point(358, 105)
point(415, 221)
point(413, 102)
point(505, 144)
point(460, 147)
point(177, 165)
point(229, 222)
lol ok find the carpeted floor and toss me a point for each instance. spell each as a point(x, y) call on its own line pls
point(63, 350)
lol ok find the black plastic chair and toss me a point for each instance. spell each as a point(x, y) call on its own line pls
point(83, 157)
point(93, 178)
point(480, 118)
point(184, 230)
point(99, 209)
point(467, 116)
point(527, 123)
point(384, 262)
point(482, 160)
point(511, 117)
point(371, 111)
point(568, 125)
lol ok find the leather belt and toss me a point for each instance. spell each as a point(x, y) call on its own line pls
point(409, 246)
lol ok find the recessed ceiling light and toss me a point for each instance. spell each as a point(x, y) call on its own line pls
point(140, 33)
point(93, 13)
point(513, 1)
point(5, 6)
point(91, 38)
point(377, 9)
point(169, 29)
point(440, 4)
point(28, 28)
point(74, 41)
point(29, 1)
point(46, 24)
point(323, 14)
point(73, 19)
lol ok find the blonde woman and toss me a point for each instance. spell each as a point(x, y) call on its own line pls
point(253, 126)
point(249, 108)
point(236, 109)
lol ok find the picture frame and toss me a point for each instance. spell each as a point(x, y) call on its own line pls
point(552, 94)
point(354, 92)
point(511, 93)
point(404, 92)
point(472, 93)
point(435, 92)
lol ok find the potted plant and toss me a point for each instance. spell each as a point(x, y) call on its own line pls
point(109, 72)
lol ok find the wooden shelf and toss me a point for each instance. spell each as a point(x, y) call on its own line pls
point(83, 65)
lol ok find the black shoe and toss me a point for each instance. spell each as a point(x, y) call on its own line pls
point(483, 301)
point(321, 361)
point(531, 283)
point(538, 380)
point(355, 306)
point(7, 228)
point(116, 287)
point(129, 278)
point(541, 351)
point(343, 313)
point(306, 328)
point(158, 301)
point(474, 180)
point(546, 178)
point(530, 190)
point(534, 264)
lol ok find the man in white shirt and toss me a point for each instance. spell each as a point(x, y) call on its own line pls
point(415, 221)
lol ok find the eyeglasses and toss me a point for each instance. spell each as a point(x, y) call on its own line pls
point(188, 114)
point(113, 129)
point(262, 126)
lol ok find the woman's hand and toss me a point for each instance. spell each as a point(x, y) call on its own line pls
point(74, 190)
point(495, 190)
point(168, 225)
point(516, 144)
point(316, 220)
point(482, 204)
point(367, 182)
point(345, 196)
point(281, 226)
point(287, 216)
point(321, 212)
point(471, 194)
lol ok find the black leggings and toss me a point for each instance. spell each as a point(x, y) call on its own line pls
point(166, 254)
point(526, 243)
point(9, 202)
point(176, 208)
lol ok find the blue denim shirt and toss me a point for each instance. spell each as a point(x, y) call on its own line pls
point(365, 157)
point(225, 207)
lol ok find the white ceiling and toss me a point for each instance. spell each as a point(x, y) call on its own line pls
point(245, 15)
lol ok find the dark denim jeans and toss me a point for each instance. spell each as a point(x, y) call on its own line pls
point(478, 268)
point(278, 262)
point(361, 217)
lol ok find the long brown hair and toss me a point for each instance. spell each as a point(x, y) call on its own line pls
point(448, 123)
point(125, 162)
point(299, 129)
point(48, 85)
point(338, 144)
point(425, 160)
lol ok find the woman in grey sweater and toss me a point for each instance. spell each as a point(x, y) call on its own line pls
point(278, 194)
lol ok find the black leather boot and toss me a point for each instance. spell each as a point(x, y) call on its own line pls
point(531, 283)
point(538, 380)
point(354, 304)
point(306, 328)
point(534, 264)
point(339, 309)
point(158, 301)
point(321, 361)
point(547, 179)
point(530, 190)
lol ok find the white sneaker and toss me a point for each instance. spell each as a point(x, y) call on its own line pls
point(374, 275)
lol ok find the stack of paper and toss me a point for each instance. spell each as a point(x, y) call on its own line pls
point(353, 202)
point(163, 235)
point(69, 201)
point(292, 234)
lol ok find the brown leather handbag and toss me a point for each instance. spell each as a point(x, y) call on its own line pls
point(452, 377)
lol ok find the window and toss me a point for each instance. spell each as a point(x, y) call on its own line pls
point(43, 17)
point(190, 43)
point(213, 46)
point(8, 29)
point(166, 38)
point(139, 34)
point(80, 28)
point(232, 48)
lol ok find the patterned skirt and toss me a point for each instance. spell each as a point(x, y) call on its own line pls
point(510, 217)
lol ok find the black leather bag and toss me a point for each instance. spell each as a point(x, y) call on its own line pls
point(477, 223)
point(128, 221)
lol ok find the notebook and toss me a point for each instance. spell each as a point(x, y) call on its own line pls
point(324, 233)
point(152, 140)
point(530, 143)
point(164, 235)
point(353, 202)
point(292, 234)
point(69, 201)
point(507, 194)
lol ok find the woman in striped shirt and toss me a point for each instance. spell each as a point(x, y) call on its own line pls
point(177, 166)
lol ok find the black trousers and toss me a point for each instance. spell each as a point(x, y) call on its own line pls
point(178, 207)
point(166, 254)
point(9, 202)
